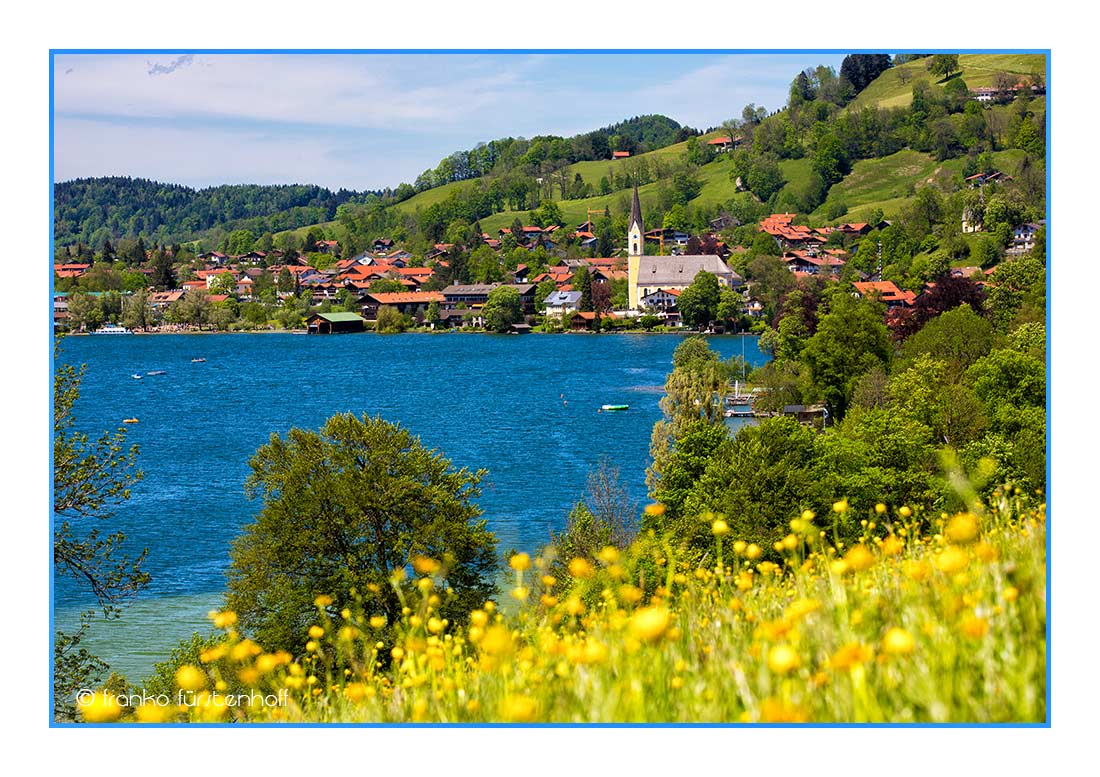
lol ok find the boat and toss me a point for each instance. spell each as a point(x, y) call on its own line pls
point(156, 372)
point(615, 408)
point(129, 420)
point(136, 376)
point(112, 329)
point(197, 360)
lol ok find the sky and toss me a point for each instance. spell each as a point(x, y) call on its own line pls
point(368, 121)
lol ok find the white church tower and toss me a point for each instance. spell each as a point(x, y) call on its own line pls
point(635, 247)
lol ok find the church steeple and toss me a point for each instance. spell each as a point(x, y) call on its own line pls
point(636, 212)
point(635, 247)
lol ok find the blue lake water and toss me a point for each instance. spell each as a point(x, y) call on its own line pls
point(522, 407)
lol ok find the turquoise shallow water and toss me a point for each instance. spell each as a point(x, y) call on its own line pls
point(522, 407)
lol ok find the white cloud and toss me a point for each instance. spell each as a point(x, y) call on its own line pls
point(367, 91)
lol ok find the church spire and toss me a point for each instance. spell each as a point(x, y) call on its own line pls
point(636, 212)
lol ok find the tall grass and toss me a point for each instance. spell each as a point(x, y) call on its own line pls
point(940, 625)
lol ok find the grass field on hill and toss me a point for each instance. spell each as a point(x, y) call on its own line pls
point(894, 88)
point(888, 183)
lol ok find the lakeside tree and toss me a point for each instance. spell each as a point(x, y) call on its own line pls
point(90, 479)
point(698, 303)
point(502, 309)
point(350, 508)
point(694, 392)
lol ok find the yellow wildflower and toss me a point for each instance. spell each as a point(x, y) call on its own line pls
point(649, 623)
point(99, 707)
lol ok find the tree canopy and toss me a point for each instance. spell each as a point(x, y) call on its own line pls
point(351, 508)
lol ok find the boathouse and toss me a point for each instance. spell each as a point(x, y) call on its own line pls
point(335, 323)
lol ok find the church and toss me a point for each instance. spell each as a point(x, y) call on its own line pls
point(650, 274)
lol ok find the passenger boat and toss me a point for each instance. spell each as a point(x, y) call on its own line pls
point(615, 408)
point(112, 329)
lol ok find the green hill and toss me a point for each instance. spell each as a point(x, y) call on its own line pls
point(894, 88)
point(889, 182)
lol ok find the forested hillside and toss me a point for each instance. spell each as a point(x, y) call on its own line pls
point(92, 210)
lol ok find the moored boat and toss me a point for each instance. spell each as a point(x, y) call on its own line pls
point(615, 408)
point(112, 329)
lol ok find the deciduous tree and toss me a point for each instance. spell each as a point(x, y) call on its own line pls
point(350, 508)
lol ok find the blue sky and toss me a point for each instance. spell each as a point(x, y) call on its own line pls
point(364, 121)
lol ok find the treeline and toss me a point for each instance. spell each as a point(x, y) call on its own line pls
point(545, 153)
point(96, 210)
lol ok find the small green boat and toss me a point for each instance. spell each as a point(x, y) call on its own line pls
point(612, 408)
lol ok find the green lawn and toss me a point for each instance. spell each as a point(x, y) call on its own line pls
point(894, 88)
point(888, 183)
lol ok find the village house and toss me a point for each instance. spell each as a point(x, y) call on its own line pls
point(724, 143)
point(586, 320)
point(70, 270)
point(562, 303)
point(812, 263)
point(1024, 237)
point(475, 295)
point(411, 303)
point(663, 303)
point(788, 234)
point(886, 291)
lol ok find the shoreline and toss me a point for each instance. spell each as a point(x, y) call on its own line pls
point(418, 332)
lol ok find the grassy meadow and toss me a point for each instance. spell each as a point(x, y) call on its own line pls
point(927, 619)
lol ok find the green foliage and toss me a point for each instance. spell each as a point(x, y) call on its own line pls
point(958, 337)
point(694, 447)
point(757, 480)
point(850, 340)
point(502, 309)
point(698, 303)
point(349, 507)
point(390, 320)
point(187, 652)
point(132, 207)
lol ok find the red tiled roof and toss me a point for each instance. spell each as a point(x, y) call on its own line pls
point(619, 154)
point(886, 290)
point(400, 297)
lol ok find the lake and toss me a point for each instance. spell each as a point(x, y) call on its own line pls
point(524, 407)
